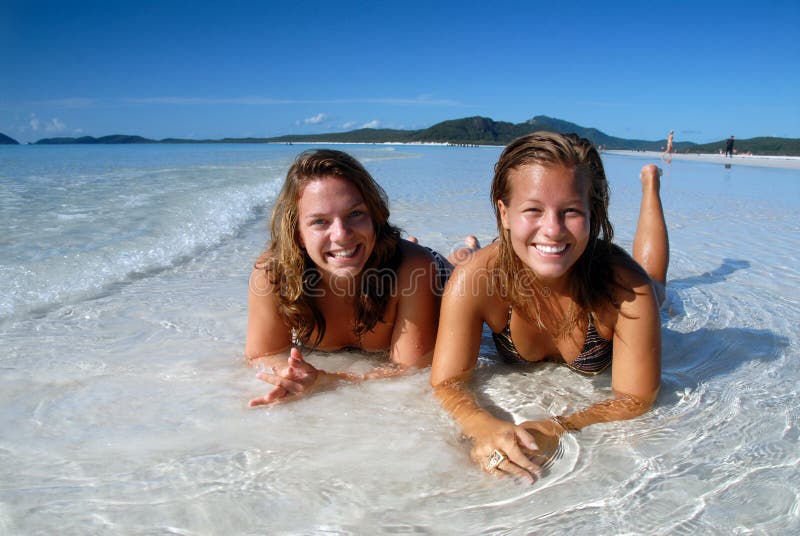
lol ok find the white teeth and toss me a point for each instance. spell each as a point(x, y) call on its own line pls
point(344, 253)
point(551, 249)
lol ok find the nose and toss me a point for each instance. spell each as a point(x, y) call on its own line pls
point(553, 224)
point(340, 230)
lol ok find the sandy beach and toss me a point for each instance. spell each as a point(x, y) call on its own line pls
point(785, 162)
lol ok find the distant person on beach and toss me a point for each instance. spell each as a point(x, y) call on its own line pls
point(729, 147)
point(668, 151)
point(337, 275)
point(554, 287)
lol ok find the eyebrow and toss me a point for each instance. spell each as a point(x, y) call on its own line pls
point(573, 201)
point(323, 214)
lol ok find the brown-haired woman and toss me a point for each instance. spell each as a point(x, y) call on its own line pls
point(337, 275)
point(554, 286)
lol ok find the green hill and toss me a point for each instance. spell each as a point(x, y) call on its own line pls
point(475, 131)
point(480, 131)
point(5, 140)
point(88, 140)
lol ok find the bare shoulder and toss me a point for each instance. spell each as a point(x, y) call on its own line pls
point(634, 289)
point(471, 288)
point(479, 263)
point(629, 275)
point(267, 333)
point(414, 256)
point(260, 281)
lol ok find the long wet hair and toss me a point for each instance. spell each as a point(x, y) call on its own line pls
point(293, 273)
point(592, 278)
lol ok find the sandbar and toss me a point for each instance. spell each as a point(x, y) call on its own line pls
point(786, 162)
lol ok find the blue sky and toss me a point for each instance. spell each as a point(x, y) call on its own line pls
point(233, 69)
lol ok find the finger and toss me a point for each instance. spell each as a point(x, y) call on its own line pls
point(509, 468)
point(525, 438)
point(296, 355)
point(275, 394)
point(293, 373)
point(281, 381)
point(539, 459)
point(520, 460)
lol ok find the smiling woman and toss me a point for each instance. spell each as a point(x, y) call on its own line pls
point(557, 282)
point(338, 275)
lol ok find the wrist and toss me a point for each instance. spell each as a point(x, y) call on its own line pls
point(565, 424)
point(329, 377)
point(266, 360)
point(474, 424)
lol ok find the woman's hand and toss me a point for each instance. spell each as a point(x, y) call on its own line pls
point(501, 447)
point(296, 379)
point(547, 434)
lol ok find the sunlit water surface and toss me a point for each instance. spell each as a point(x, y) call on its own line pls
point(123, 393)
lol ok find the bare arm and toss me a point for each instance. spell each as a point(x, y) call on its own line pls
point(455, 357)
point(268, 336)
point(636, 368)
point(414, 333)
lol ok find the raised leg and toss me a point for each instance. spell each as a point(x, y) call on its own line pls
point(651, 243)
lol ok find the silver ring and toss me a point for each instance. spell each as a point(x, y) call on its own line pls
point(495, 459)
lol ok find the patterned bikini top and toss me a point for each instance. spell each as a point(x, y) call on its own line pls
point(594, 358)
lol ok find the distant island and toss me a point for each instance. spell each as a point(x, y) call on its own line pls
point(5, 140)
point(476, 131)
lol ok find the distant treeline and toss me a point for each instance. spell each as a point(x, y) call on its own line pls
point(476, 131)
point(763, 146)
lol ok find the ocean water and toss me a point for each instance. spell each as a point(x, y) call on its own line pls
point(123, 391)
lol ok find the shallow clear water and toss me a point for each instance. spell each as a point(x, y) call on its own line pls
point(123, 394)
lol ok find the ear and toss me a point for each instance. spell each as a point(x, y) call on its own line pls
point(501, 208)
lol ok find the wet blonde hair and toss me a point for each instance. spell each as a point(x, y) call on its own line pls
point(592, 276)
point(292, 271)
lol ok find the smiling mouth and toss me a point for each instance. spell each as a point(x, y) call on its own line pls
point(344, 253)
point(551, 250)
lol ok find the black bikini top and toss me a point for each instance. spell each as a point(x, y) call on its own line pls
point(594, 358)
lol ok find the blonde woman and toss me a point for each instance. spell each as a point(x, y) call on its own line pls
point(555, 287)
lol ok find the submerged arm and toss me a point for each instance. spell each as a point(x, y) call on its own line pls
point(456, 354)
point(636, 367)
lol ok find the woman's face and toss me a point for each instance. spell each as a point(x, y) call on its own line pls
point(548, 218)
point(335, 227)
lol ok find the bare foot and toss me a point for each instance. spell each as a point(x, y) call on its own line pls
point(460, 255)
point(651, 178)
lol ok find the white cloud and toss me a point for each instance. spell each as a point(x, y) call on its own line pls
point(349, 124)
point(54, 125)
point(316, 120)
point(372, 124)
